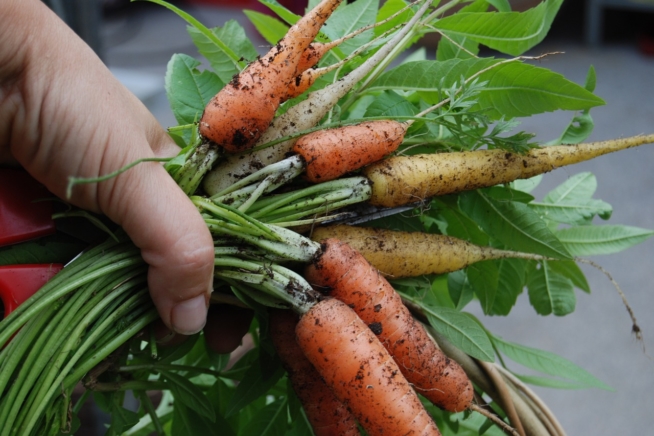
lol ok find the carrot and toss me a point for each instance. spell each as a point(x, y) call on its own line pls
point(236, 117)
point(360, 371)
point(410, 254)
point(326, 414)
point(405, 179)
point(331, 153)
point(345, 275)
point(302, 116)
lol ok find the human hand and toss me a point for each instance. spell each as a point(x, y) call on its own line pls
point(62, 113)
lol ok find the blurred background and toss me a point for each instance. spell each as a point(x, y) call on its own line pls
point(136, 40)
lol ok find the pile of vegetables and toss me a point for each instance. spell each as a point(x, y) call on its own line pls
point(281, 153)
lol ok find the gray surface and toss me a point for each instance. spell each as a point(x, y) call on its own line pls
point(597, 336)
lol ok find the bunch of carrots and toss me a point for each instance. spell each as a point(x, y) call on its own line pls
point(354, 353)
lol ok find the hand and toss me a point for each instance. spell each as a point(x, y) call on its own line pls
point(62, 114)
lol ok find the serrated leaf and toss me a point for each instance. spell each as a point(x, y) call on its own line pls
point(548, 382)
point(500, 5)
point(390, 104)
point(458, 328)
point(189, 394)
point(457, 46)
point(461, 292)
point(57, 248)
point(547, 363)
point(458, 225)
point(188, 89)
point(582, 125)
point(269, 421)
point(187, 422)
point(581, 186)
point(508, 32)
point(550, 292)
point(389, 8)
point(514, 224)
point(349, 18)
point(568, 212)
point(511, 282)
point(234, 39)
point(571, 270)
point(595, 240)
point(484, 277)
point(269, 27)
point(513, 89)
point(527, 185)
point(122, 419)
point(253, 385)
point(283, 13)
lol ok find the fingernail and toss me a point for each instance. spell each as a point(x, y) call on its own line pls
point(189, 317)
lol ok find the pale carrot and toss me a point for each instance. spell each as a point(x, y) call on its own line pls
point(360, 371)
point(342, 273)
point(409, 254)
point(405, 179)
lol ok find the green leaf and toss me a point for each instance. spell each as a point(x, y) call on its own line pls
point(269, 421)
point(568, 212)
point(582, 125)
point(460, 47)
point(390, 104)
point(547, 363)
point(122, 419)
point(270, 28)
point(571, 270)
point(581, 186)
point(187, 422)
point(458, 328)
point(283, 13)
point(550, 292)
point(548, 382)
point(461, 292)
point(484, 278)
point(58, 248)
point(512, 223)
point(572, 202)
point(513, 88)
point(527, 185)
point(500, 5)
point(595, 240)
point(389, 8)
point(202, 29)
point(508, 32)
point(188, 89)
point(233, 39)
point(253, 385)
point(349, 18)
point(189, 394)
point(458, 224)
point(511, 281)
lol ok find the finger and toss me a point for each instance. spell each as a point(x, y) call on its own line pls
point(174, 241)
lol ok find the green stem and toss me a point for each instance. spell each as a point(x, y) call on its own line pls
point(145, 401)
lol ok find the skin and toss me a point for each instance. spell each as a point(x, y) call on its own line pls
point(62, 113)
point(342, 273)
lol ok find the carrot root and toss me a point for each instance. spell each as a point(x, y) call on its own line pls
point(406, 179)
point(361, 372)
point(345, 275)
point(327, 415)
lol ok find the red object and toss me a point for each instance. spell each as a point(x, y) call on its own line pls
point(21, 216)
point(20, 282)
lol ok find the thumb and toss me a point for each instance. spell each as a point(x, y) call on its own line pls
point(174, 241)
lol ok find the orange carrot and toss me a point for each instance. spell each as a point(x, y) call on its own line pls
point(360, 371)
point(326, 414)
point(344, 274)
point(313, 54)
point(236, 117)
point(331, 153)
